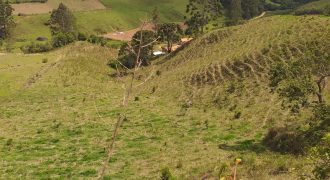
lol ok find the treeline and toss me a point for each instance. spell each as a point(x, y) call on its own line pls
point(200, 13)
point(244, 9)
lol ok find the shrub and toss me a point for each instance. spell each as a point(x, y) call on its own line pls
point(321, 158)
point(238, 115)
point(97, 40)
point(82, 36)
point(44, 60)
point(61, 39)
point(36, 48)
point(284, 140)
point(327, 10)
point(166, 174)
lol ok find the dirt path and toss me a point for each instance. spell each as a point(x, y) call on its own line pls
point(37, 76)
point(125, 35)
point(260, 16)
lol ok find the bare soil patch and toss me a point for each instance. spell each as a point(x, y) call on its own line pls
point(42, 8)
point(126, 35)
point(32, 8)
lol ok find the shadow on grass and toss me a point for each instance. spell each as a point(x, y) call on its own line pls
point(247, 145)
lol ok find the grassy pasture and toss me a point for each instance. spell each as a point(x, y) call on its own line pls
point(120, 16)
point(203, 107)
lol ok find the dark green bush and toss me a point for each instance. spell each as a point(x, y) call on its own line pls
point(44, 60)
point(36, 48)
point(97, 40)
point(61, 39)
point(82, 36)
point(166, 174)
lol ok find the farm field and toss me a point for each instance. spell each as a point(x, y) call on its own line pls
point(44, 8)
point(121, 17)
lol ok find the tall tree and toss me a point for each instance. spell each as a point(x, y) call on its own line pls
point(235, 11)
point(62, 20)
point(169, 33)
point(140, 48)
point(201, 12)
point(6, 19)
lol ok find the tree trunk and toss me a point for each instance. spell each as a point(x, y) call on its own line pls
point(169, 46)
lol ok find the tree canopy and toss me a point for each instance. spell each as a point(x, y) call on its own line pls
point(6, 19)
point(201, 12)
point(301, 78)
point(169, 33)
point(62, 20)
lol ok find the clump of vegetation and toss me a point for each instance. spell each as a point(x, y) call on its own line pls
point(61, 39)
point(36, 48)
point(129, 52)
point(97, 40)
point(63, 26)
point(321, 158)
point(166, 174)
point(284, 140)
point(298, 80)
point(169, 33)
point(201, 13)
point(82, 36)
point(44, 60)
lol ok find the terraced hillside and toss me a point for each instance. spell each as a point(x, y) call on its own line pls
point(201, 108)
point(243, 52)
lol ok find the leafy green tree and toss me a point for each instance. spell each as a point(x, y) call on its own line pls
point(201, 12)
point(235, 12)
point(142, 41)
point(6, 19)
point(62, 20)
point(139, 50)
point(299, 79)
point(169, 33)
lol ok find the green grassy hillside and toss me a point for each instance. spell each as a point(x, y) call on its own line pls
point(120, 15)
point(203, 107)
point(316, 7)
